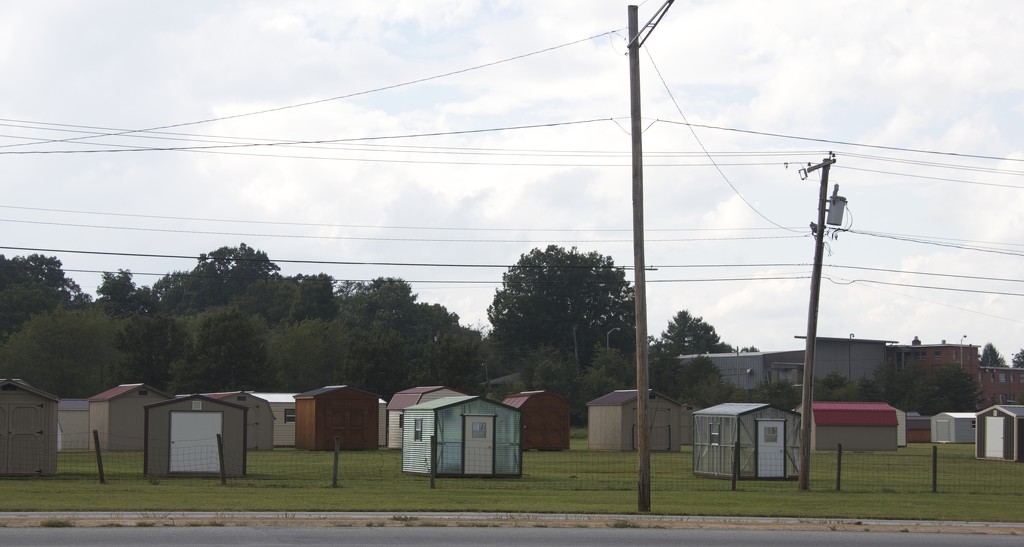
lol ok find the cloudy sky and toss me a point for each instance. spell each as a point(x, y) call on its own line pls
point(467, 133)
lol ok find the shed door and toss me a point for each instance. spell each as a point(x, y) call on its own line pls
point(194, 442)
point(771, 444)
point(349, 425)
point(994, 437)
point(478, 438)
point(945, 431)
point(660, 428)
point(23, 442)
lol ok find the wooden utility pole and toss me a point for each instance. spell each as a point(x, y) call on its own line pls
point(807, 397)
point(643, 450)
point(643, 464)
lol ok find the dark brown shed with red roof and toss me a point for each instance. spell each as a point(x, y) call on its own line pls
point(545, 417)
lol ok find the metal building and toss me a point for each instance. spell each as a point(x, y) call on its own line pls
point(411, 397)
point(768, 440)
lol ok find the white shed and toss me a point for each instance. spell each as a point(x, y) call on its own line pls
point(954, 427)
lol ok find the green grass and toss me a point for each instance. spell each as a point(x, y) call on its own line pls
point(874, 485)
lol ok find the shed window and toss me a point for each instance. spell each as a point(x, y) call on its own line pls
point(417, 429)
point(289, 415)
point(715, 433)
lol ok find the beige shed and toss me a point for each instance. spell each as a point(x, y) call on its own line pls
point(181, 437)
point(28, 430)
point(611, 422)
point(73, 424)
point(260, 418)
point(118, 415)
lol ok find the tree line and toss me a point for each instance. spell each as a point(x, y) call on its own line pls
point(562, 320)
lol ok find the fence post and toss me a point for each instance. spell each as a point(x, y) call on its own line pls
point(735, 464)
point(337, 454)
point(839, 466)
point(935, 469)
point(99, 456)
point(220, 459)
point(433, 461)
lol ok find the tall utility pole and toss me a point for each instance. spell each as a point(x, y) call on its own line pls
point(807, 400)
point(643, 466)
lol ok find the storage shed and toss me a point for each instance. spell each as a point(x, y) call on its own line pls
point(768, 439)
point(346, 413)
point(919, 428)
point(411, 397)
point(259, 432)
point(855, 425)
point(545, 417)
point(181, 437)
point(282, 405)
point(1001, 433)
point(954, 427)
point(611, 421)
point(118, 415)
point(73, 424)
point(28, 429)
point(475, 437)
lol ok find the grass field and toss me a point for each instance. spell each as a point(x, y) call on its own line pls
point(874, 485)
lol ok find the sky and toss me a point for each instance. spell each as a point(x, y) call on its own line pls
point(439, 140)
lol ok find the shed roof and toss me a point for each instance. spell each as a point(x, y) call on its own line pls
point(622, 396)
point(517, 400)
point(73, 404)
point(122, 389)
point(961, 415)
point(21, 384)
point(1016, 410)
point(732, 409)
point(330, 389)
point(847, 413)
point(412, 396)
point(196, 396)
point(275, 397)
point(443, 402)
point(228, 394)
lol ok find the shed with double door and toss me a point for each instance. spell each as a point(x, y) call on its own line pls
point(765, 439)
point(919, 428)
point(118, 415)
point(28, 430)
point(181, 437)
point(474, 437)
point(411, 397)
point(954, 427)
point(282, 406)
point(611, 422)
point(344, 413)
point(1001, 433)
point(259, 433)
point(545, 417)
point(866, 426)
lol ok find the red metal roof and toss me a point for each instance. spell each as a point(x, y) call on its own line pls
point(412, 396)
point(518, 400)
point(845, 413)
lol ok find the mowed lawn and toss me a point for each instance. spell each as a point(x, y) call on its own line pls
point(877, 485)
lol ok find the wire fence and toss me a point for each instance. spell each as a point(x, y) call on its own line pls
point(918, 468)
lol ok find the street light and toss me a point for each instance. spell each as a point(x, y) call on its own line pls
point(607, 337)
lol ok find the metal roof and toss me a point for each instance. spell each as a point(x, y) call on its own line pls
point(847, 413)
point(443, 402)
point(329, 389)
point(412, 396)
point(517, 400)
point(73, 404)
point(275, 397)
point(1016, 410)
point(732, 409)
point(21, 384)
point(623, 396)
point(122, 389)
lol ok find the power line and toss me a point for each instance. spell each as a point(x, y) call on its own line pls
point(355, 94)
point(944, 179)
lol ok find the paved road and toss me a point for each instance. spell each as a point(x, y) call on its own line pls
point(448, 536)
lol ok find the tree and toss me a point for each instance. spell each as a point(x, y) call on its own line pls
point(228, 353)
point(119, 297)
point(836, 387)
point(150, 347)
point(688, 335)
point(32, 285)
point(990, 357)
point(67, 352)
point(955, 390)
point(308, 354)
point(1018, 359)
point(561, 299)
point(778, 394)
point(217, 279)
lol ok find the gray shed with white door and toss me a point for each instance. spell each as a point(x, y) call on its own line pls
point(1001, 433)
point(181, 437)
point(475, 437)
point(768, 440)
point(954, 427)
point(28, 429)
